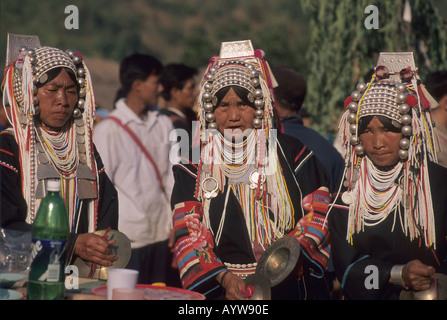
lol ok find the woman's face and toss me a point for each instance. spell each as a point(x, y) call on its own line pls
point(233, 115)
point(57, 99)
point(381, 145)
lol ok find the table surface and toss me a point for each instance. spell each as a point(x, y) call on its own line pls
point(82, 293)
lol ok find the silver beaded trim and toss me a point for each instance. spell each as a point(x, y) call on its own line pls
point(384, 98)
point(44, 59)
point(380, 100)
point(241, 270)
point(228, 73)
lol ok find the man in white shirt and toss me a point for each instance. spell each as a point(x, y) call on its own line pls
point(134, 144)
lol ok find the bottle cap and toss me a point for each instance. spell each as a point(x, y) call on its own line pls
point(54, 185)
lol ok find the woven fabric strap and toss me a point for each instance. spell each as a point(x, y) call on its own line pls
point(143, 149)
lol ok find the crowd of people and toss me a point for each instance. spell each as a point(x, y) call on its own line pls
point(253, 173)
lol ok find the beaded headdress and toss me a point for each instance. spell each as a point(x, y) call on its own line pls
point(396, 92)
point(249, 168)
point(45, 155)
point(238, 64)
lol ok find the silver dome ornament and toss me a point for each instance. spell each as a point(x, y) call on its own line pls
point(81, 103)
point(81, 82)
point(212, 126)
point(81, 72)
point(353, 106)
point(257, 123)
point(210, 117)
point(404, 108)
point(77, 59)
point(36, 110)
point(401, 88)
point(353, 128)
point(208, 87)
point(354, 140)
point(70, 52)
point(259, 113)
point(255, 82)
point(355, 96)
point(361, 86)
point(212, 70)
point(209, 77)
point(401, 97)
point(406, 130)
point(405, 119)
point(82, 93)
point(77, 113)
point(403, 154)
point(259, 103)
point(352, 117)
point(404, 143)
point(208, 107)
point(359, 150)
point(206, 96)
point(258, 93)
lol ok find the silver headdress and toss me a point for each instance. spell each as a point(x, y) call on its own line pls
point(396, 92)
point(238, 64)
point(27, 67)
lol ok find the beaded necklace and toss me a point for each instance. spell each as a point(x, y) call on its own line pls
point(380, 193)
point(61, 149)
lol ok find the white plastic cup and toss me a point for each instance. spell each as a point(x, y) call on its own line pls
point(120, 278)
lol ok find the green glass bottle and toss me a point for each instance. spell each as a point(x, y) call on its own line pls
point(50, 232)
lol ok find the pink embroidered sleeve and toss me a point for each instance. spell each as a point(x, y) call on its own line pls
point(197, 263)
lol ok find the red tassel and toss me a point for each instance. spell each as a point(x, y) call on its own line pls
point(28, 136)
point(424, 102)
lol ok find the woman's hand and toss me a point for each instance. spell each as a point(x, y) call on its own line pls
point(417, 276)
point(232, 284)
point(92, 247)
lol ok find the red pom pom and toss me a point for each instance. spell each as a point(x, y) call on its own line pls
point(79, 55)
point(348, 101)
point(259, 54)
point(411, 100)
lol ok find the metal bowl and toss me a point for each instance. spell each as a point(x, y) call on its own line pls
point(437, 291)
point(279, 259)
point(261, 285)
point(121, 248)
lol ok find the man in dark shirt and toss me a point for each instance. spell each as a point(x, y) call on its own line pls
point(290, 94)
